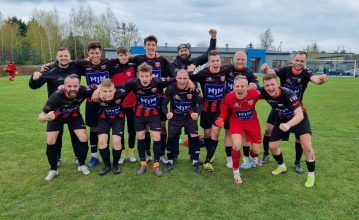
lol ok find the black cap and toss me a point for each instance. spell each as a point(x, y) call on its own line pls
point(188, 46)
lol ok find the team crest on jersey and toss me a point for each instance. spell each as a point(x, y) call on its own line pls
point(223, 78)
point(299, 80)
point(176, 97)
point(103, 67)
point(157, 64)
point(189, 96)
point(237, 105)
point(118, 101)
point(209, 79)
point(129, 73)
point(250, 102)
point(154, 90)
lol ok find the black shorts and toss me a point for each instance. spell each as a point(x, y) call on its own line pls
point(91, 116)
point(271, 117)
point(117, 125)
point(178, 122)
point(302, 128)
point(226, 123)
point(153, 121)
point(73, 123)
point(208, 119)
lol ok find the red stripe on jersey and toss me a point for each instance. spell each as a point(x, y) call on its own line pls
point(147, 113)
point(139, 110)
point(214, 106)
point(102, 115)
point(205, 106)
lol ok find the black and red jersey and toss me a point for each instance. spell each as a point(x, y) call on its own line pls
point(213, 87)
point(121, 73)
point(147, 98)
point(65, 107)
point(285, 104)
point(233, 73)
point(94, 74)
point(113, 109)
point(295, 82)
point(159, 64)
point(182, 101)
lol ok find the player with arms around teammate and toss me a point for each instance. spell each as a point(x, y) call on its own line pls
point(295, 78)
point(289, 118)
point(185, 107)
point(239, 105)
point(212, 80)
point(63, 107)
point(54, 77)
point(111, 117)
point(147, 89)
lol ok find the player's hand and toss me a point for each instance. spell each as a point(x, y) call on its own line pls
point(213, 33)
point(44, 67)
point(191, 68)
point(96, 96)
point(252, 86)
point(323, 78)
point(169, 115)
point(50, 116)
point(158, 55)
point(60, 87)
point(190, 85)
point(219, 122)
point(36, 75)
point(194, 115)
point(264, 67)
point(87, 59)
point(284, 127)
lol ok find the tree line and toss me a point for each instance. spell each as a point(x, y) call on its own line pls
point(37, 40)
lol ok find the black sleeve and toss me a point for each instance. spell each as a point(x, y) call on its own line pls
point(171, 70)
point(128, 86)
point(89, 90)
point(204, 57)
point(198, 77)
point(198, 102)
point(35, 84)
point(51, 104)
point(122, 92)
point(164, 83)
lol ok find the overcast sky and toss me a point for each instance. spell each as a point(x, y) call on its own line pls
point(330, 23)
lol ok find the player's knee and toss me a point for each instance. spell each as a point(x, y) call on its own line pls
point(236, 147)
point(141, 135)
point(51, 141)
point(268, 130)
point(156, 136)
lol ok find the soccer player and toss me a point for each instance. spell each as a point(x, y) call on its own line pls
point(54, 77)
point(212, 80)
point(238, 69)
point(95, 69)
point(159, 69)
point(110, 116)
point(239, 105)
point(63, 107)
point(184, 59)
point(148, 90)
point(184, 110)
point(11, 70)
point(295, 78)
point(122, 71)
point(289, 118)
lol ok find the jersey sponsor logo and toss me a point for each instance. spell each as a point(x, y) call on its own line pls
point(285, 112)
point(213, 92)
point(296, 89)
point(114, 111)
point(245, 115)
point(150, 101)
point(96, 78)
point(181, 108)
point(69, 110)
point(229, 85)
point(156, 73)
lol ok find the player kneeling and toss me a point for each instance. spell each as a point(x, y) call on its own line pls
point(185, 106)
point(111, 116)
point(243, 120)
point(63, 107)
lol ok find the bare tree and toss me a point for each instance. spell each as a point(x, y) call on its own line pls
point(312, 51)
point(266, 39)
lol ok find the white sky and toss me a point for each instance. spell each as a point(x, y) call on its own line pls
point(330, 23)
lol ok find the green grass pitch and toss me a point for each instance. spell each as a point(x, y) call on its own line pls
point(181, 194)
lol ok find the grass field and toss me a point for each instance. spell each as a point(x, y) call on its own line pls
point(181, 194)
